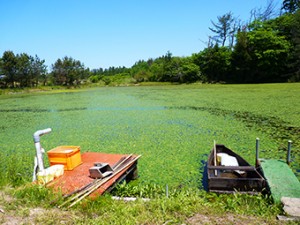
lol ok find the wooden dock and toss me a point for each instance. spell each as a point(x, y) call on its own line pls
point(79, 177)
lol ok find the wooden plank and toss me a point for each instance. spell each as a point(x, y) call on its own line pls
point(235, 191)
point(91, 189)
point(243, 168)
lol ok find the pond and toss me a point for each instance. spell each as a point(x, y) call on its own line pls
point(172, 127)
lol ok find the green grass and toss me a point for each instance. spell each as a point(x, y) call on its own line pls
point(172, 127)
point(183, 208)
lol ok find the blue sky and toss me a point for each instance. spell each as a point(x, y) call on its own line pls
point(103, 33)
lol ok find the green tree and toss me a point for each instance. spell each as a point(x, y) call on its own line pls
point(291, 6)
point(174, 69)
point(214, 63)
point(241, 60)
point(288, 25)
point(9, 67)
point(161, 68)
point(190, 71)
point(270, 53)
point(68, 71)
point(38, 71)
point(23, 70)
point(140, 71)
point(294, 62)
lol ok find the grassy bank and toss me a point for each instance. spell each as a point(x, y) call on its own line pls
point(35, 205)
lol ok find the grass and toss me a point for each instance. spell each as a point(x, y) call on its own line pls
point(25, 204)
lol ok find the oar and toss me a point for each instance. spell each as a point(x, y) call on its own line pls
point(80, 189)
point(121, 162)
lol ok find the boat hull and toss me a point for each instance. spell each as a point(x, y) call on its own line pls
point(242, 178)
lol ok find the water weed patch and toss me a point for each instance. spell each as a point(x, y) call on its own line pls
point(172, 127)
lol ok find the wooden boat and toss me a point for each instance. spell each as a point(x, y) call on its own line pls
point(235, 175)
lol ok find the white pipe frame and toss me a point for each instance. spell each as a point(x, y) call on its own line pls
point(38, 147)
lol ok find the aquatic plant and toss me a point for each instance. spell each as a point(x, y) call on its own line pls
point(172, 127)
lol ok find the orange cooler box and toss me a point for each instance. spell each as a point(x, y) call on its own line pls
point(69, 156)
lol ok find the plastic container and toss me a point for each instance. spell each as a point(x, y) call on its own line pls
point(50, 173)
point(69, 156)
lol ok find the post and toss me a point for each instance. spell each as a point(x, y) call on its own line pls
point(215, 157)
point(167, 191)
point(288, 157)
point(257, 152)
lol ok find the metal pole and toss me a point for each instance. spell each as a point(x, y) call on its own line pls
point(215, 157)
point(288, 157)
point(257, 152)
point(167, 191)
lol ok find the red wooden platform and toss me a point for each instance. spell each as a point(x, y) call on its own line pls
point(79, 177)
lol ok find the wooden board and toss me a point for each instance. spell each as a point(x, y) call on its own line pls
point(79, 176)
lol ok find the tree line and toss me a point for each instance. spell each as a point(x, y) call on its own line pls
point(264, 49)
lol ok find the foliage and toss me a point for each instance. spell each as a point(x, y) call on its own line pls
point(166, 69)
point(294, 63)
point(140, 71)
point(265, 53)
point(291, 6)
point(8, 67)
point(36, 204)
point(34, 195)
point(141, 190)
point(122, 79)
point(21, 70)
point(225, 29)
point(178, 209)
point(214, 63)
point(94, 78)
point(190, 71)
point(110, 71)
point(266, 50)
point(68, 71)
point(241, 60)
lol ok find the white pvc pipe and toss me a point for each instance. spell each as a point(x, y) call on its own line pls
point(129, 199)
point(39, 156)
point(39, 153)
point(37, 134)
